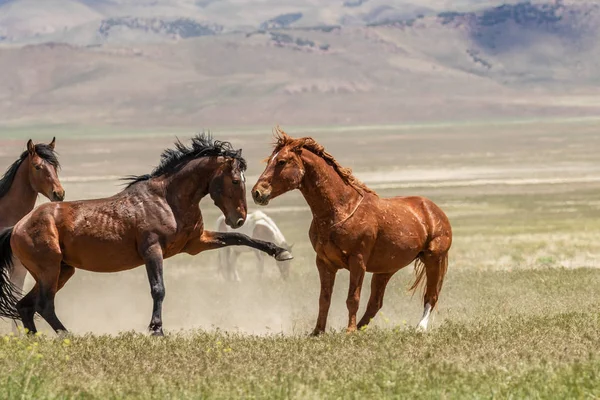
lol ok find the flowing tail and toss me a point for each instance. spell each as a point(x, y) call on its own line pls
point(9, 294)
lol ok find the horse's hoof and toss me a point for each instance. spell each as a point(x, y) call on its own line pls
point(62, 333)
point(284, 256)
point(316, 333)
point(157, 332)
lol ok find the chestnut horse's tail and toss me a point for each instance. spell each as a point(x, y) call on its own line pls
point(421, 275)
point(9, 294)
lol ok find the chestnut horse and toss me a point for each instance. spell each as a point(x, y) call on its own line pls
point(355, 229)
point(155, 217)
point(34, 172)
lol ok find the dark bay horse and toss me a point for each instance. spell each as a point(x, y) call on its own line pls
point(155, 217)
point(355, 229)
point(34, 172)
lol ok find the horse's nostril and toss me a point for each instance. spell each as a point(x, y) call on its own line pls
point(239, 222)
point(58, 195)
point(256, 194)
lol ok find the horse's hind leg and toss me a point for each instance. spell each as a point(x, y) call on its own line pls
point(66, 272)
point(51, 282)
point(435, 269)
point(33, 302)
point(378, 285)
point(26, 308)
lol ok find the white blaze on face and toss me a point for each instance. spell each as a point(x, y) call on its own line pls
point(243, 176)
point(274, 157)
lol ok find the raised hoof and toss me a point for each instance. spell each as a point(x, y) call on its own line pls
point(284, 256)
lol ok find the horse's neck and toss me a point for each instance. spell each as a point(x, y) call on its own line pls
point(186, 188)
point(20, 198)
point(328, 196)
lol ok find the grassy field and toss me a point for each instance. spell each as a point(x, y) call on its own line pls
point(497, 357)
point(518, 315)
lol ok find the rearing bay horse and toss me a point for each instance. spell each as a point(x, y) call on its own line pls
point(34, 172)
point(354, 229)
point(155, 217)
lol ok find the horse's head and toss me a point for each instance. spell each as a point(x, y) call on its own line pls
point(43, 170)
point(284, 170)
point(228, 190)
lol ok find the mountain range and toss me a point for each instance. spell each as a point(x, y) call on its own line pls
point(236, 62)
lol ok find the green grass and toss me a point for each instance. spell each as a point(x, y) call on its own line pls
point(522, 334)
point(518, 315)
point(553, 356)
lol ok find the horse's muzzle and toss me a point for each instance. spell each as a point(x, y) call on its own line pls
point(261, 197)
point(58, 195)
point(235, 223)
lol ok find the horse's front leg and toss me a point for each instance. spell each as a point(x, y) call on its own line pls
point(327, 277)
point(153, 258)
point(214, 240)
point(357, 268)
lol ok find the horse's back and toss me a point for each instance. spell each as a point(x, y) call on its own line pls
point(417, 204)
point(88, 232)
point(424, 212)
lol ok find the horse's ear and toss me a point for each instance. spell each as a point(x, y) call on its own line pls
point(52, 144)
point(31, 147)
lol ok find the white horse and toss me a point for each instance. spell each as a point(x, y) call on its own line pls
point(258, 226)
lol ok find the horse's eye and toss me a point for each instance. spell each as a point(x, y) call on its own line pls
point(281, 162)
point(236, 182)
point(38, 167)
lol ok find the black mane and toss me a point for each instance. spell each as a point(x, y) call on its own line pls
point(203, 145)
point(42, 150)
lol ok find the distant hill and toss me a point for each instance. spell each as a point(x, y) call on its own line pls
point(67, 20)
point(206, 63)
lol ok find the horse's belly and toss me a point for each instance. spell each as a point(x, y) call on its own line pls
point(96, 255)
point(392, 254)
point(390, 262)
